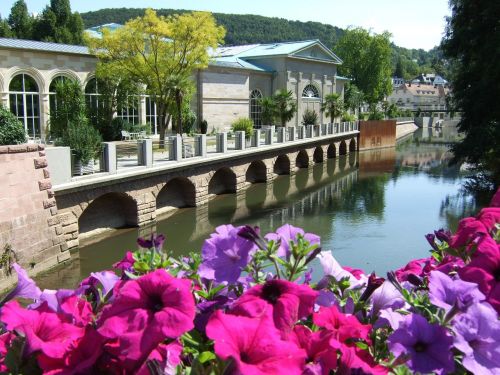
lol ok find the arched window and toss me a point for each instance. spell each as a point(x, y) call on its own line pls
point(52, 92)
point(130, 110)
point(255, 108)
point(25, 103)
point(93, 100)
point(151, 114)
point(310, 92)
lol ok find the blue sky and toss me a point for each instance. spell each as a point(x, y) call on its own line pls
point(413, 24)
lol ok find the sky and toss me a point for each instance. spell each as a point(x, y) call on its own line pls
point(413, 24)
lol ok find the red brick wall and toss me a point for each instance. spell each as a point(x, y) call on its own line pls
point(28, 210)
point(377, 134)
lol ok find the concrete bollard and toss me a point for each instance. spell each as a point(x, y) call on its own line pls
point(110, 157)
point(256, 138)
point(269, 136)
point(309, 131)
point(330, 128)
point(281, 134)
point(177, 147)
point(301, 132)
point(201, 145)
point(291, 134)
point(337, 128)
point(240, 140)
point(145, 152)
point(324, 129)
point(317, 130)
point(221, 139)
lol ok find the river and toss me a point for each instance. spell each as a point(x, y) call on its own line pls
point(371, 210)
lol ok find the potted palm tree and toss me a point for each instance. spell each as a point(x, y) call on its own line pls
point(332, 106)
point(284, 105)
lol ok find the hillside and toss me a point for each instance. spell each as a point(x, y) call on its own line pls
point(247, 29)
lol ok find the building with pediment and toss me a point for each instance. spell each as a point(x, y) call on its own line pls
point(228, 89)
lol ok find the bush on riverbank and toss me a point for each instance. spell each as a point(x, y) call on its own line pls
point(248, 304)
point(11, 130)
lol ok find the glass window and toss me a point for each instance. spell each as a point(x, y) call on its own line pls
point(93, 100)
point(256, 108)
point(311, 92)
point(130, 112)
point(25, 103)
point(52, 92)
point(151, 114)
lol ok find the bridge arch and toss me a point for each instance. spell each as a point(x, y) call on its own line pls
point(302, 160)
point(110, 210)
point(223, 181)
point(342, 148)
point(178, 192)
point(318, 155)
point(256, 172)
point(352, 145)
point(282, 165)
point(331, 152)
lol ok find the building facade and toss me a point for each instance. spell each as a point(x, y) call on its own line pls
point(423, 98)
point(228, 89)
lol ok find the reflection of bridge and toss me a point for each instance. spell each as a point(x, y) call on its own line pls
point(136, 199)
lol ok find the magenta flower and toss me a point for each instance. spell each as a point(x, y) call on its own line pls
point(155, 301)
point(484, 270)
point(418, 267)
point(344, 326)
point(489, 217)
point(468, 230)
point(288, 233)
point(446, 292)
point(477, 336)
point(168, 357)
point(254, 345)
point(427, 345)
point(285, 301)
point(52, 298)
point(225, 254)
point(25, 288)
point(126, 263)
point(321, 353)
point(46, 332)
point(155, 241)
point(5, 341)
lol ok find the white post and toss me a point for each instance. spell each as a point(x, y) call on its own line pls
point(201, 145)
point(110, 157)
point(240, 140)
point(222, 142)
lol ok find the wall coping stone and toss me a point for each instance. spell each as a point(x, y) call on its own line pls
point(24, 147)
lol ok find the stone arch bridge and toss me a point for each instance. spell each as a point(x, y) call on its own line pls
point(136, 198)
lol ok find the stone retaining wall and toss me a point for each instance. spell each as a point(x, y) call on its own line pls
point(28, 212)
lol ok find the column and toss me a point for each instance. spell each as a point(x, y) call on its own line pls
point(44, 114)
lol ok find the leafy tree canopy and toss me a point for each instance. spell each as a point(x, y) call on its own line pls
point(367, 61)
point(471, 42)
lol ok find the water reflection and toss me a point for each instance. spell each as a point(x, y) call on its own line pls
point(371, 209)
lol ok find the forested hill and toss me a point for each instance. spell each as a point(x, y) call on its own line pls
point(241, 29)
point(248, 29)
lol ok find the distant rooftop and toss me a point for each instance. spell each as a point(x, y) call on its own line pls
point(43, 46)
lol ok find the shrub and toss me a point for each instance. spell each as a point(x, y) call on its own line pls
point(83, 139)
point(376, 115)
point(348, 117)
point(310, 117)
point(203, 127)
point(243, 124)
point(11, 129)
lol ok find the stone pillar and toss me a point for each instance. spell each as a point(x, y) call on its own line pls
point(301, 132)
point(269, 136)
point(240, 140)
point(201, 145)
point(291, 134)
point(110, 157)
point(4, 99)
point(309, 131)
point(221, 139)
point(256, 138)
point(330, 128)
point(317, 131)
point(44, 114)
point(177, 147)
point(145, 152)
point(281, 134)
point(142, 110)
point(324, 129)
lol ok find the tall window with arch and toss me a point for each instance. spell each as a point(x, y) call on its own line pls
point(310, 92)
point(256, 108)
point(93, 100)
point(52, 91)
point(24, 101)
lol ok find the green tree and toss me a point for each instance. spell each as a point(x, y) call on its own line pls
point(471, 43)
point(160, 52)
point(400, 68)
point(5, 31)
point(20, 21)
point(58, 24)
point(353, 97)
point(332, 106)
point(367, 61)
point(70, 105)
point(267, 113)
point(285, 106)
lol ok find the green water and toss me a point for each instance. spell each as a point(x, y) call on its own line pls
point(371, 209)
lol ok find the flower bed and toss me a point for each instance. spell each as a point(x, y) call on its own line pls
point(248, 305)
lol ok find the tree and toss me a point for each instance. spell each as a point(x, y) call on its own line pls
point(20, 21)
point(400, 68)
point(367, 61)
point(353, 97)
point(5, 31)
point(471, 43)
point(333, 106)
point(284, 106)
point(58, 24)
point(158, 52)
point(267, 110)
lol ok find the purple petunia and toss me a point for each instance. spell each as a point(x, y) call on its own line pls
point(446, 292)
point(25, 288)
point(225, 254)
point(478, 336)
point(155, 241)
point(428, 346)
point(288, 233)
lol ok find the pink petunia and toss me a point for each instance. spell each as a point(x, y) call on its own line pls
point(254, 345)
point(168, 357)
point(126, 263)
point(77, 310)
point(468, 230)
point(489, 217)
point(484, 270)
point(5, 341)
point(345, 326)
point(418, 267)
point(285, 301)
point(81, 356)
point(45, 331)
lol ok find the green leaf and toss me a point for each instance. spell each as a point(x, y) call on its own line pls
point(206, 356)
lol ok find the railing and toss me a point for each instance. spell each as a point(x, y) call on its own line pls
point(403, 119)
point(148, 152)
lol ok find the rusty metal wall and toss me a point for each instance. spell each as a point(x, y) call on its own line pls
point(377, 134)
